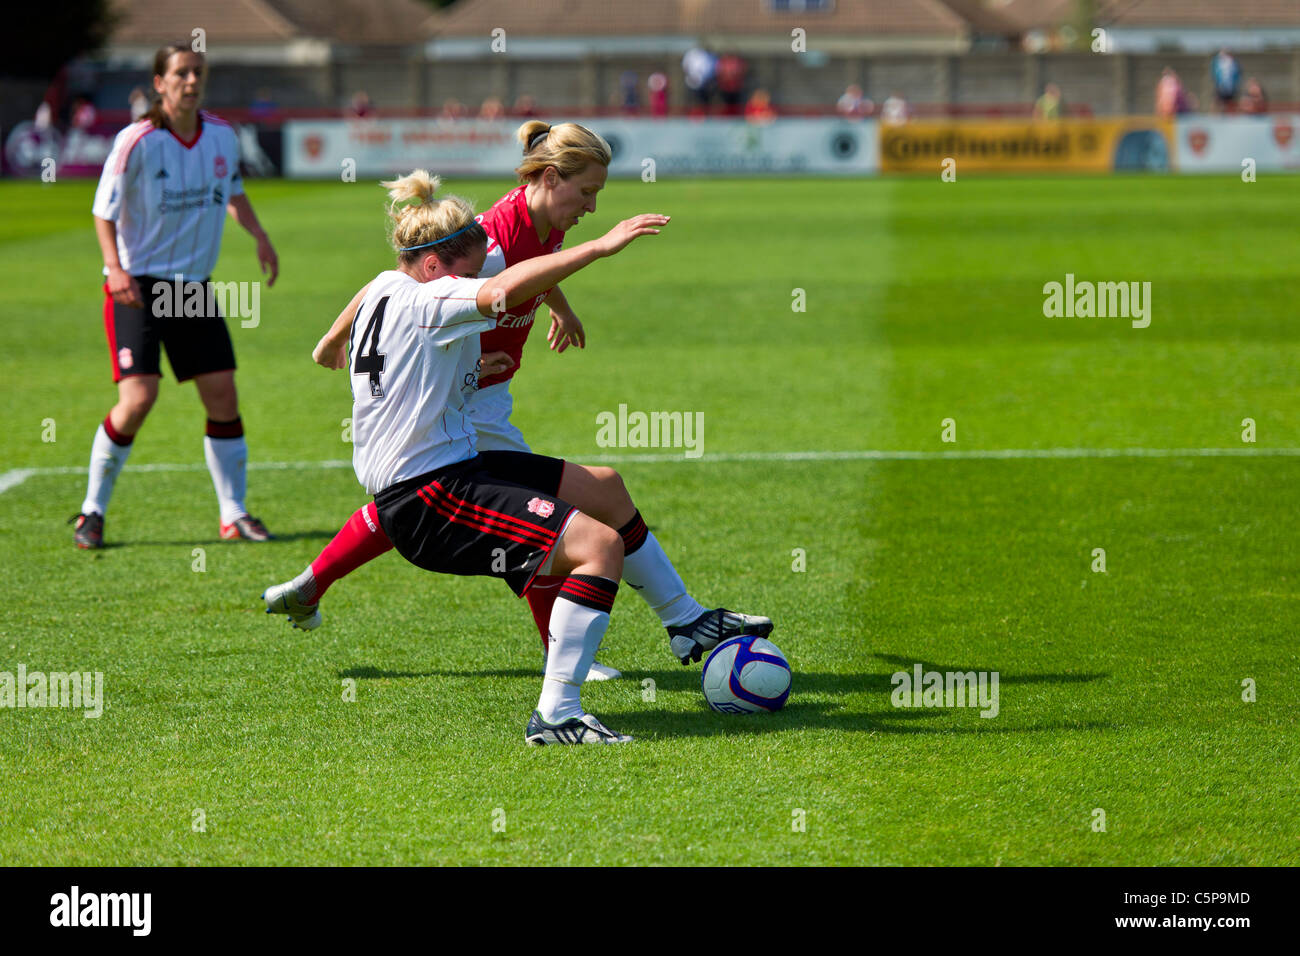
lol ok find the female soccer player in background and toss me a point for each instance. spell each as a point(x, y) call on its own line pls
point(159, 213)
point(564, 167)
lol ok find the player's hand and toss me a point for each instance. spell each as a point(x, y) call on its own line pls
point(618, 238)
point(493, 363)
point(123, 288)
point(330, 353)
point(268, 260)
point(565, 331)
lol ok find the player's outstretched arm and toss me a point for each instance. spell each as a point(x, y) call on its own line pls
point(332, 350)
point(522, 281)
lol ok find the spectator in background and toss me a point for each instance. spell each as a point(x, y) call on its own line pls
point(1169, 93)
point(894, 111)
point(1227, 80)
point(139, 101)
point(83, 112)
point(759, 108)
point(492, 109)
point(629, 97)
point(452, 109)
point(361, 107)
point(657, 84)
point(731, 71)
point(526, 106)
point(263, 108)
point(699, 67)
point(853, 105)
point(1049, 106)
point(1253, 101)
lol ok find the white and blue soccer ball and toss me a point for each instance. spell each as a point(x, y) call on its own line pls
point(746, 675)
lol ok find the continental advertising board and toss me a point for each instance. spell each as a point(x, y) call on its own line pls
point(1009, 146)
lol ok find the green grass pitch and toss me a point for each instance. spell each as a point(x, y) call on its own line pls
point(226, 738)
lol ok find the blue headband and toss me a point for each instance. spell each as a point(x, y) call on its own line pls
point(472, 224)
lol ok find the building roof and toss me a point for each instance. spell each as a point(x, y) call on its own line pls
point(255, 22)
point(1012, 17)
point(539, 18)
point(1198, 13)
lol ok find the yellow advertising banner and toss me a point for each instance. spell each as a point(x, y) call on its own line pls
point(1080, 145)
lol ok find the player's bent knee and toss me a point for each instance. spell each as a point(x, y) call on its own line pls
point(589, 547)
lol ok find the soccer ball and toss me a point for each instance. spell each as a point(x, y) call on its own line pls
point(745, 675)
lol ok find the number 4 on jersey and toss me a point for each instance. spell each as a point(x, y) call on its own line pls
point(372, 361)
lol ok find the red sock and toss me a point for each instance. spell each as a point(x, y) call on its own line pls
point(358, 541)
point(541, 596)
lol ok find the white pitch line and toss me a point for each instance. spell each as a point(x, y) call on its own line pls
point(15, 477)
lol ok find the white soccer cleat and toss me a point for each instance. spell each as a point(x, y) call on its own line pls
point(284, 599)
point(600, 672)
point(576, 730)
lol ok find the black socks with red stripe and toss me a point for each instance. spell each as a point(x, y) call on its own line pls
point(589, 590)
point(231, 429)
point(578, 622)
point(633, 534)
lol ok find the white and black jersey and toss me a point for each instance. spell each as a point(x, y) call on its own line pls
point(168, 197)
point(414, 359)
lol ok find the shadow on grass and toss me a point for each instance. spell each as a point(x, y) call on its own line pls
point(798, 714)
point(196, 542)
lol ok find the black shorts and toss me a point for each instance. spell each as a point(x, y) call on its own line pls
point(195, 344)
point(496, 514)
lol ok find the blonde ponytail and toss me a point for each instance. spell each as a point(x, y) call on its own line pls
point(423, 224)
point(568, 147)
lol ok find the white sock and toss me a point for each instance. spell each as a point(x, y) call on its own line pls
point(228, 463)
point(106, 461)
point(648, 571)
point(576, 632)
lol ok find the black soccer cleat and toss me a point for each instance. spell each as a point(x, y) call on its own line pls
point(246, 528)
point(89, 534)
point(690, 642)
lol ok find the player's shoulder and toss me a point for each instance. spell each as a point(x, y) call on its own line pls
point(505, 213)
point(390, 281)
point(215, 126)
point(125, 142)
point(215, 122)
point(130, 135)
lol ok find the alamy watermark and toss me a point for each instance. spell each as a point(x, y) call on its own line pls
point(651, 430)
point(192, 299)
point(1086, 300)
point(922, 688)
point(75, 908)
point(55, 689)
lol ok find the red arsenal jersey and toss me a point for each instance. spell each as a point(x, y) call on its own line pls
point(512, 238)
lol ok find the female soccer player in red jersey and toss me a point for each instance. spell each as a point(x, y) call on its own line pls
point(159, 213)
point(564, 167)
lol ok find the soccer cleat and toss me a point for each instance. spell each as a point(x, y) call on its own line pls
point(283, 599)
point(245, 527)
point(600, 672)
point(89, 533)
point(576, 730)
point(690, 642)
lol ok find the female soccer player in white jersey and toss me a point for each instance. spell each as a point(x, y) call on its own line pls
point(159, 213)
point(415, 360)
point(563, 169)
